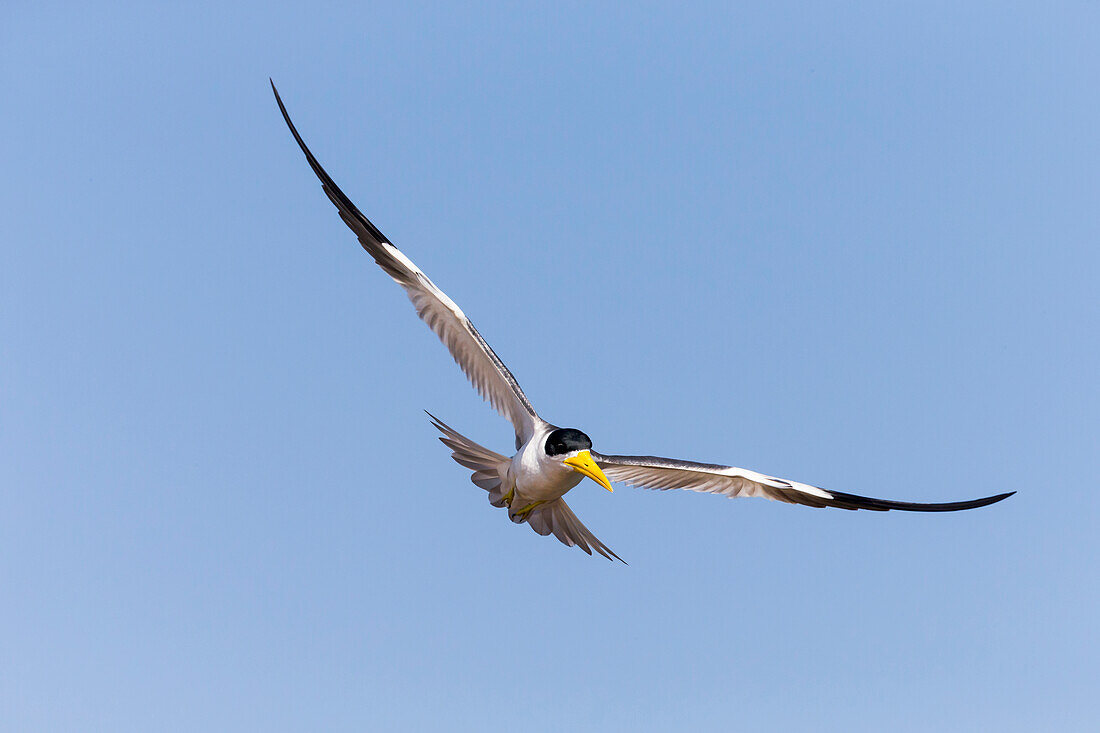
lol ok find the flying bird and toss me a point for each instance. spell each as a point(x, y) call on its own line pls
point(550, 460)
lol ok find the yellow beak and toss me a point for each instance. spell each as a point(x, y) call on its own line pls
point(583, 463)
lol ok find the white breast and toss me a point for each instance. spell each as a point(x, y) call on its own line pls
point(537, 476)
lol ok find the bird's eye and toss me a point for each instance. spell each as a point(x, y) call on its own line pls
point(566, 440)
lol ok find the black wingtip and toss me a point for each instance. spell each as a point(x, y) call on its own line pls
point(278, 98)
point(853, 501)
point(326, 180)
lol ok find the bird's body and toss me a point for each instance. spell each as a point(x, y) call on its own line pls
point(532, 482)
point(550, 461)
point(535, 477)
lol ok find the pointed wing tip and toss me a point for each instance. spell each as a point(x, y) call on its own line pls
point(276, 92)
point(984, 501)
point(348, 211)
point(854, 501)
point(286, 118)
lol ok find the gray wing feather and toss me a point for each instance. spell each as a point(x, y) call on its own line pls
point(488, 374)
point(651, 472)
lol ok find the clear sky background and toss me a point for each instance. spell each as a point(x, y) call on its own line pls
point(851, 245)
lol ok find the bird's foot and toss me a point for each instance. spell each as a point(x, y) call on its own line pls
point(522, 513)
point(507, 498)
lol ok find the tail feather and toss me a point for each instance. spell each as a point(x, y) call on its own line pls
point(558, 519)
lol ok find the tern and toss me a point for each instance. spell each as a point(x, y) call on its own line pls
point(550, 460)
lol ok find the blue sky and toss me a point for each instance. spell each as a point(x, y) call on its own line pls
point(853, 245)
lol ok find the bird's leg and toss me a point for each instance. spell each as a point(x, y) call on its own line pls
point(509, 496)
point(522, 513)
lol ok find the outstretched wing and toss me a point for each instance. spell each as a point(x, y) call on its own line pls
point(650, 472)
point(477, 359)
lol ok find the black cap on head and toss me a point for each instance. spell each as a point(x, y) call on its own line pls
point(566, 440)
